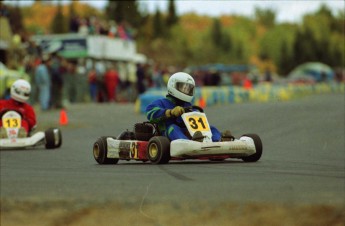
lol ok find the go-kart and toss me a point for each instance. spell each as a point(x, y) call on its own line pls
point(145, 144)
point(11, 124)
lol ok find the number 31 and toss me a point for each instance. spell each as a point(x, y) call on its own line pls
point(195, 123)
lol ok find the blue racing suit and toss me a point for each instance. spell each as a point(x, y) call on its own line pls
point(173, 128)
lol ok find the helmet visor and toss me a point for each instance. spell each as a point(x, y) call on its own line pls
point(185, 88)
point(22, 93)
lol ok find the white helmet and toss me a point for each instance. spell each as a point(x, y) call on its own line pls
point(181, 86)
point(20, 90)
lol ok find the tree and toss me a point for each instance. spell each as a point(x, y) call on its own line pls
point(15, 18)
point(172, 17)
point(58, 24)
point(216, 33)
point(72, 12)
point(265, 17)
point(226, 43)
point(72, 18)
point(222, 42)
point(121, 11)
point(313, 41)
point(158, 26)
point(285, 62)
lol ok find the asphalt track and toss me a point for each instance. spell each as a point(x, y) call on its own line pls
point(303, 159)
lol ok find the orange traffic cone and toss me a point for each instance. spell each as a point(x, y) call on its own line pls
point(202, 102)
point(63, 117)
point(247, 84)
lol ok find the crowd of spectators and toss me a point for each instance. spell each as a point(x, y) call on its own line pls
point(57, 81)
point(93, 25)
point(64, 81)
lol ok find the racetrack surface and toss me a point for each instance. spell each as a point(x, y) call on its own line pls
point(300, 179)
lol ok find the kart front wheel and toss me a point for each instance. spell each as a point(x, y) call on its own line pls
point(158, 150)
point(100, 151)
point(53, 138)
point(258, 147)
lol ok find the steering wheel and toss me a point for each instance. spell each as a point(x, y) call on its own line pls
point(193, 107)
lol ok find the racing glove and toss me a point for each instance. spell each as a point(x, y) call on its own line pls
point(176, 111)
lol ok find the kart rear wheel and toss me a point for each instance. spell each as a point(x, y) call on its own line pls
point(53, 138)
point(158, 150)
point(100, 151)
point(258, 147)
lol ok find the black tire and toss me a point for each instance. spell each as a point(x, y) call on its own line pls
point(100, 151)
point(53, 138)
point(258, 146)
point(158, 150)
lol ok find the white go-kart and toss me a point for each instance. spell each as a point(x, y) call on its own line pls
point(11, 125)
point(145, 144)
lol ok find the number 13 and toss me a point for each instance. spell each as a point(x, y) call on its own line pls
point(12, 122)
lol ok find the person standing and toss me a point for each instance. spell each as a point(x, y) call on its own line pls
point(57, 81)
point(43, 82)
point(100, 71)
point(140, 79)
point(92, 84)
point(111, 79)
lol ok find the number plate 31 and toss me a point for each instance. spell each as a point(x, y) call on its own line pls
point(196, 121)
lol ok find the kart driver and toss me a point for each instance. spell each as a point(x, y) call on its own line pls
point(20, 92)
point(166, 111)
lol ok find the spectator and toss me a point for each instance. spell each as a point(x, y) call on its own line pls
point(124, 82)
point(140, 79)
point(30, 68)
point(70, 86)
point(43, 82)
point(157, 77)
point(215, 78)
point(111, 79)
point(92, 84)
point(268, 75)
point(112, 29)
point(74, 24)
point(132, 80)
point(122, 32)
point(100, 71)
point(83, 27)
point(33, 49)
point(57, 81)
point(166, 76)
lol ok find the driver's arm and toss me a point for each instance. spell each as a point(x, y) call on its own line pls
point(155, 112)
